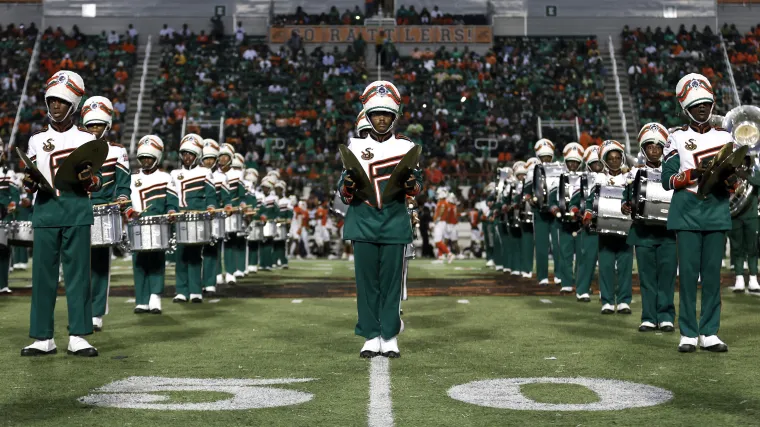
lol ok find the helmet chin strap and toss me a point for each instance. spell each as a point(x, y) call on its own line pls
point(686, 110)
point(393, 123)
point(68, 113)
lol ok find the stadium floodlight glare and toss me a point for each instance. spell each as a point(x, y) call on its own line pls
point(670, 12)
point(424, 105)
point(89, 10)
point(464, 98)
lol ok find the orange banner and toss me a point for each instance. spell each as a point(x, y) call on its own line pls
point(438, 34)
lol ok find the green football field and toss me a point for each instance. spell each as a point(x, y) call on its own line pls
point(294, 362)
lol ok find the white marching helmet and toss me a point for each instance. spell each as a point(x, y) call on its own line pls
point(192, 143)
point(520, 168)
point(441, 193)
point(652, 133)
point(227, 150)
point(238, 161)
point(281, 185)
point(274, 173)
point(694, 89)
point(381, 95)
point(267, 182)
point(251, 175)
point(530, 163)
point(452, 198)
point(210, 149)
point(98, 109)
point(362, 123)
point(490, 188)
point(151, 146)
point(609, 146)
point(544, 147)
point(573, 151)
point(65, 85)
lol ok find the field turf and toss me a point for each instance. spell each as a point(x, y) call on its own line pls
point(448, 341)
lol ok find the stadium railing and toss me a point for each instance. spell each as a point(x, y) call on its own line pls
point(32, 64)
point(138, 110)
point(734, 92)
point(619, 95)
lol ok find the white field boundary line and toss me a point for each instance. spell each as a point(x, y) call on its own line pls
point(380, 411)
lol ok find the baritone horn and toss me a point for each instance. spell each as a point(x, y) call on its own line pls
point(744, 124)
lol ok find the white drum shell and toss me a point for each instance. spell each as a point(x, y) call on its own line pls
point(256, 232)
point(218, 225)
point(4, 231)
point(656, 201)
point(270, 230)
point(106, 229)
point(281, 233)
point(193, 229)
point(234, 222)
point(21, 233)
point(149, 234)
point(608, 217)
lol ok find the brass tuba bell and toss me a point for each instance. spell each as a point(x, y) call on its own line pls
point(744, 124)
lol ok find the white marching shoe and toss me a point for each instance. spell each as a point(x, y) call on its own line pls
point(623, 308)
point(712, 343)
point(209, 289)
point(239, 274)
point(155, 304)
point(40, 348)
point(252, 269)
point(490, 263)
point(582, 298)
point(739, 285)
point(5, 290)
point(389, 348)
point(516, 273)
point(145, 308)
point(753, 287)
point(566, 290)
point(371, 348)
point(608, 309)
point(507, 270)
point(543, 282)
point(219, 279)
point(229, 279)
point(527, 274)
point(79, 346)
point(687, 345)
point(351, 258)
point(196, 298)
point(179, 298)
point(450, 257)
point(499, 268)
point(557, 280)
point(97, 324)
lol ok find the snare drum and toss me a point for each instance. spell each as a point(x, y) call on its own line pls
point(608, 217)
point(256, 232)
point(281, 233)
point(546, 178)
point(106, 227)
point(270, 230)
point(234, 222)
point(651, 202)
point(194, 228)
point(21, 233)
point(150, 233)
point(569, 183)
point(218, 225)
point(409, 251)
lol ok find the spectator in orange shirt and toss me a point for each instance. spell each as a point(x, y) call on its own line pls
point(67, 63)
point(121, 75)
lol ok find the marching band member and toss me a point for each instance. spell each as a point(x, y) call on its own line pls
point(380, 231)
point(238, 164)
point(615, 254)
point(196, 192)
point(526, 242)
point(496, 204)
point(515, 234)
point(9, 199)
point(252, 201)
point(439, 227)
point(234, 247)
point(543, 223)
point(484, 207)
point(568, 232)
point(700, 225)
point(97, 118)
point(655, 245)
point(23, 212)
point(212, 262)
point(589, 241)
point(363, 127)
point(743, 234)
point(153, 193)
point(267, 213)
point(285, 216)
point(61, 223)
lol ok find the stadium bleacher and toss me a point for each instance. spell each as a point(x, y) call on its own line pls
point(16, 45)
point(743, 54)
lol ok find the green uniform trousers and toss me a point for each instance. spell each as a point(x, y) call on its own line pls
point(514, 245)
point(657, 279)
point(699, 253)
point(379, 272)
point(211, 263)
point(253, 253)
point(526, 248)
point(587, 262)
point(554, 229)
point(743, 240)
point(20, 254)
point(234, 254)
point(488, 240)
point(5, 265)
point(265, 254)
point(498, 242)
point(100, 275)
point(570, 253)
point(149, 271)
point(542, 229)
point(280, 253)
point(615, 269)
point(53, 246)
point(506, 250)
point(188, 269)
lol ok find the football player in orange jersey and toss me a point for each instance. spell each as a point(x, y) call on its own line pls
point(476, 237)
point(439, 228)
point(452, 219)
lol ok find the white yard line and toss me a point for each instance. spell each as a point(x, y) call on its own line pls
point(545, 301)
point(380, 412)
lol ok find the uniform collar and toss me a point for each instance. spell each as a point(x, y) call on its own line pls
point(700, 127)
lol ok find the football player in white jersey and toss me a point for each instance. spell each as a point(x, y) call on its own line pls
point(153, 193)
point(61, 221)
point(700, 222)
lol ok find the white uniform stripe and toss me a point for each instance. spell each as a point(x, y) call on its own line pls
point(380, 413)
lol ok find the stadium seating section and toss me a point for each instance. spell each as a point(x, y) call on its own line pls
point(743, 54)
point(406, 13)
point(16, 45)
point(657, 59)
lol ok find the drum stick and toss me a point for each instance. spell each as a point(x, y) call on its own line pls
point(118, 202)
